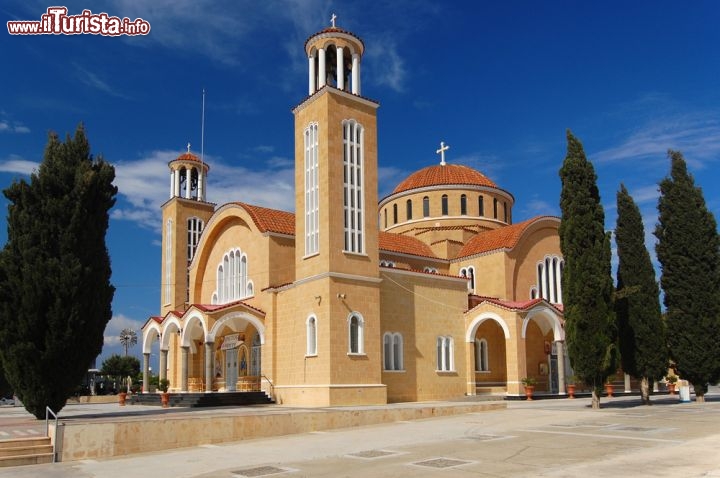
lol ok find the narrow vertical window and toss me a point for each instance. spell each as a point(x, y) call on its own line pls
point(426, 206)
point(385, 218)
point(444, 203)
point(408, 209)
point(353, 158)
point(463, 205)
point(395, 218)
point(445, 352)
point(311, 326)
point(168, 260)
point(481, 206)
point(505, 211)
point(194, 229)
point(355, 334)
point(481, 355)
point(495, 208)
point(393, 351)
point(312, 192)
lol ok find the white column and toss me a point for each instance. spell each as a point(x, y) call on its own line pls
point(146, 373)
point(355, 74)
point(322, 75)
point(177, 183)
point(311, 75)
point(201, 188)
point(172, 183)
point(340, 69)
point(560, 348)
point(209, 356)
point(184, 352)
point(627, 384)
point(543, 282)
point(188, 183)
point(162, 373)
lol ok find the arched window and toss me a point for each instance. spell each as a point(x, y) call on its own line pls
point(385, 218)
point(256, 356)
point(430, 270)
point(395, 219)
point(481, 355)
point(194, 229)
point(481, 206)
point(386, 263)
point(426, 206)
point(232, 278)
point(444, 203)
point(311, 331)
point(353, 158)
point(355, 334)
point(463, 205)
point(393, 351)
point(549, 280)
point(495, 208)
point(505, 211)
point(445, 353)
point(469, 272)
point(312, 191)
point(408, 209)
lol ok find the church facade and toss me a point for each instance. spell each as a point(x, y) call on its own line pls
point(432, 292)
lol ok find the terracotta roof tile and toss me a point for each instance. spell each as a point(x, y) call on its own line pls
point(505, 237)
point(216, 307)
point(522, 305)
point(391, 242)
point(271, 220)
point(444, 175)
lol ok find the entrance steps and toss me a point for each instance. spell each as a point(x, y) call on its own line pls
point(25, 451)
point(500, 391)
point(204, 399)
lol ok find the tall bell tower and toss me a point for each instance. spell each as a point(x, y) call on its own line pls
point(184, 217)
point(337, 282)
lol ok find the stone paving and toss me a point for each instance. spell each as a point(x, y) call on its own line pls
point(553, 438)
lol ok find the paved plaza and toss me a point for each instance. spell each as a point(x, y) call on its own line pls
point(557, 438)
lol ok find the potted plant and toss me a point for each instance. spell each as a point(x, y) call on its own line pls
point(122, 395)
point(571, 386)
point(671, 382)
point(529, 383)
point(609, 386)
point(163, 385)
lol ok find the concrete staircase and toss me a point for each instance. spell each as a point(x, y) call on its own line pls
point(25, 451)
point(203, 399)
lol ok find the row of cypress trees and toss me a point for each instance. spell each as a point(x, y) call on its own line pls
point(608, 325)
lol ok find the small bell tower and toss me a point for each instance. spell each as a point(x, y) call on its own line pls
point(184, 217)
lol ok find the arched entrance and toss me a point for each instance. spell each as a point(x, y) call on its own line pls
point(544, 350)
point(487, 342)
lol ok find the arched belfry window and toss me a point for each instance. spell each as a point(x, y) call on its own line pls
point(408, 209)
point(469, 273)
point(354, 201)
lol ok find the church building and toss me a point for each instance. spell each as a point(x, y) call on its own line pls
point(430, 293)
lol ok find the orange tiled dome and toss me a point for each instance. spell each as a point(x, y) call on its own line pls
point(187, 157)
point(444, 175)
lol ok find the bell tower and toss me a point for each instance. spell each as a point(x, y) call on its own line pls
point(184, 217)
point(337, 279)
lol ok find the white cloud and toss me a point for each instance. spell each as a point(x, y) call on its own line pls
point(144, 185)
point(15, 164)
point(116, 325)
point(696, 135)
point(7, 126)
point(383, 51)
point(539, 207)
point(94, 81)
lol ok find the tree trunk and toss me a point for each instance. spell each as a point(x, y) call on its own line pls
point(699, 398)
point(645, 390)
point(595, 398)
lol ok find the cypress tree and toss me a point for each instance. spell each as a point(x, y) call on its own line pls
point(55, 273)
point(590, 330)
point(641, 331)
point(688, 249)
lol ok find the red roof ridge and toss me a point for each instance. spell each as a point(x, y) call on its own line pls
point(505, 237)
point(400, 243)
point(270, 220)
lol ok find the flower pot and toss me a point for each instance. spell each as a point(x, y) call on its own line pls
point(529, 390)
point(671, 388)
point(571, 390)
point(165, 399)
point(122, 396)
point(609, 389)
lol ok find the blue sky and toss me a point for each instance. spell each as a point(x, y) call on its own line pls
point(499, 82)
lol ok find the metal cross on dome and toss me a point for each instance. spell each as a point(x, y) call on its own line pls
point(188, 147)
point(332, 20)
point(441, 152)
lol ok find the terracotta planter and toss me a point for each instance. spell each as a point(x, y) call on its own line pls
point(571, 390)
point(165, 399)
point(529, 390)
point(671, 388)
point(609, 389)
point(122, 396)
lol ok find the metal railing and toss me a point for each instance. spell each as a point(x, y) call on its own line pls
point(49, 412)
point(272, 387)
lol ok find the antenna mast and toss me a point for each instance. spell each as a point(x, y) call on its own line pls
point(202, 130)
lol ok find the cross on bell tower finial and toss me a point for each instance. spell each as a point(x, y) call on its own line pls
point(332, 19)
point(188, 147)
point(441, 152)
